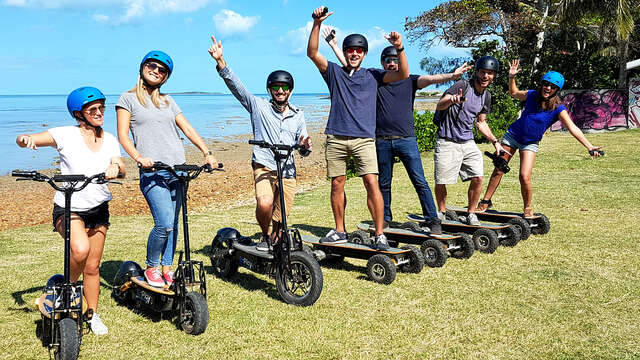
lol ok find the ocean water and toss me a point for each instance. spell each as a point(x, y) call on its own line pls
point(216, 117)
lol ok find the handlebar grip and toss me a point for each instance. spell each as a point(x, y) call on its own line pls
point(22, 173)
point(490, 155)
point(593, 152)
point(258, 142)
point(324, 12)
point(186, 167)
point(66, 178)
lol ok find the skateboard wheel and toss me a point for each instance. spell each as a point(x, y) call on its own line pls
point(512, 234)
point(434, 252)
point(416, 260)
point(451, 215)
point(523, 225)
point(485, 240)
point(466, 247)
point(381, 269)
point(542, 225)
point(411, 226)
point(360, 237)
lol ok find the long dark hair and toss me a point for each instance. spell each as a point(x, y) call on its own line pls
point(549, 104)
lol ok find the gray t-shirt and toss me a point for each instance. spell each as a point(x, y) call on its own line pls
point(154, 130)
point(456, 122)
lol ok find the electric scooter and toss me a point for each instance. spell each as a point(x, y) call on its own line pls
point(187, 296)
point(297, 273)
point(62, 305)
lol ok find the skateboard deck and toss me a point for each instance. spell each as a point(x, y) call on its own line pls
point(45, 305)
point(393, 233)
point(315, 242)
point(140, 281)
point(493, 215)
point(452, 225)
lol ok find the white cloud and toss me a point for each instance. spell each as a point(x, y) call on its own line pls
point(228, 22)
point(116, 11)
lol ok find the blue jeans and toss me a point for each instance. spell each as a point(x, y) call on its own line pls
point(163, 193)
point(406, 149)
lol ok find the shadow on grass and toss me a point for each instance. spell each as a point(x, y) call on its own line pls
point(17, 297)
point(318, 231)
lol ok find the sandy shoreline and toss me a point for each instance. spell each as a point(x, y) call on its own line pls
point(30, 203)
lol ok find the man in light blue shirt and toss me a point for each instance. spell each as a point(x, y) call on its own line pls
point(276, 122)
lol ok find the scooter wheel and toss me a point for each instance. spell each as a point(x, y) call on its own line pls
point(301, 285)
point(434, 252)
point(381, 269)
point(224, 265)
point(69, 345)
point(523, 225)
point(194, 317)
point(466, 247)
point(360, 237)
point(416, 260)
point(485, 240)
point(512, 238)
point(542, 225)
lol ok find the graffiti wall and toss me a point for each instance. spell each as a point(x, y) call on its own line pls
point(596, 109)
point(634, 103)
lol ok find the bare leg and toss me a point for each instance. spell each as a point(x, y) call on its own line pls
point(496, 176)
point(80, 245)
point(527, 159)
point(473, 194)
point(338, 201)
point(264, 212)
point(441, 197)
point(91, 274)
point(374, 201)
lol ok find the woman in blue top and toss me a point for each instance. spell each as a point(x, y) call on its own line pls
point(542, 108)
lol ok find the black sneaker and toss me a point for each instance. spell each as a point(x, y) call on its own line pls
point(334, 237)
point(435, 226)
point(263, 245)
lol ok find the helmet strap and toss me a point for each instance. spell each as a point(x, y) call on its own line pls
point(98, 129)
point(149, 86)
point(279, 106)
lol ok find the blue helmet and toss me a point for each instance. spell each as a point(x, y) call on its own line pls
point(81, 97)
point(555, 78)
point(158, 56)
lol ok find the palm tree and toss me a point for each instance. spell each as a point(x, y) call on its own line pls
point(621, 11)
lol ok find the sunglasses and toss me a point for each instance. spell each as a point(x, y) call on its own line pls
point(356, 50)
point(94, 110)
point(546, 83)
point(276, 87)
point(389, 60)
point(153, 66)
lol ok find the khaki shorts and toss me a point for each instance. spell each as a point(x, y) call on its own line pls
point(338, 150)
point(453, 159)
point(266, 182)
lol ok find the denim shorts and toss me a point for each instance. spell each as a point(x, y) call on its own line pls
point(508, 140)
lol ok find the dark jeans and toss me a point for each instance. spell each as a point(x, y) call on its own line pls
point(406, 149)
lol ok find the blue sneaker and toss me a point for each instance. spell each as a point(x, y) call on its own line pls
point(334, 237)
point(382, 243)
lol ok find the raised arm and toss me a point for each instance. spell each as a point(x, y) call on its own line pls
point(577, 133)
point(329, 35)
point(426, 80)
point(312, 46)
point(403, 65)
point(234, 84)
point(449, 99)
point(32, 141)
point(514, 69)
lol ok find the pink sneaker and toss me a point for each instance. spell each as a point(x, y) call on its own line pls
point(154, 277)
point(168, 278)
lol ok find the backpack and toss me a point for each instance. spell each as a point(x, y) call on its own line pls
point(439, 115)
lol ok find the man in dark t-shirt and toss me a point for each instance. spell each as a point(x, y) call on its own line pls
point(462, 106)
point(352, 120)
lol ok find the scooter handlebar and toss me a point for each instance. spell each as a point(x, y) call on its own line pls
point(498, 162)
point(24, 174)
point(324, 12)
point(264, 144)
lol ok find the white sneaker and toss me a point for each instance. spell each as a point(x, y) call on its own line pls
point(472, 219)
point(97, 326)
point(441, 216)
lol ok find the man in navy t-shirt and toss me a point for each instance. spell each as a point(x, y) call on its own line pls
point(352, 120)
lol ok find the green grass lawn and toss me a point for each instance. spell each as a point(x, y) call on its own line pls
point(570, 294)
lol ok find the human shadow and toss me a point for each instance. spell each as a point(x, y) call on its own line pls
point(318, 231)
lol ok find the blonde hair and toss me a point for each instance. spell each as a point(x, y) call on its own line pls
point(157, 98)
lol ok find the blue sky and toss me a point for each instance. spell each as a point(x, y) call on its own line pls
point(55, 46)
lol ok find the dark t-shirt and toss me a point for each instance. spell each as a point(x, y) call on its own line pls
point(456, 122)
point(353, 100)
point(395, 108)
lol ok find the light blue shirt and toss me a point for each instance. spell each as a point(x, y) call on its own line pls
point(268, 124)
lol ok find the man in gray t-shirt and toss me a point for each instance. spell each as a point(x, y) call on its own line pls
point(456, 154)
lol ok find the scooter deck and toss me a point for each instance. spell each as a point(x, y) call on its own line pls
point(41, 301)
point(451, 225)
point(252, 250)
point(140, 281)
point(349, 246)
point(397, 233)
point(493, 215)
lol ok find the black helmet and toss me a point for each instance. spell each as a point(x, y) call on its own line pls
point(278, 76)
point(388, 51)
point(126, 271)
point(355, 40)
point(227, 233)
point(487, 63)
point(55, 280)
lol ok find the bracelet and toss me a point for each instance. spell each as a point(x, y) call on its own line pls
point(400, 50)
point(208, 153)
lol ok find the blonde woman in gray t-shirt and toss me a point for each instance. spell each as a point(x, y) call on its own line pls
point(154, 120)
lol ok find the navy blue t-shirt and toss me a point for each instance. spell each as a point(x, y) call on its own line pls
point(395, 107)
point(353, 100)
